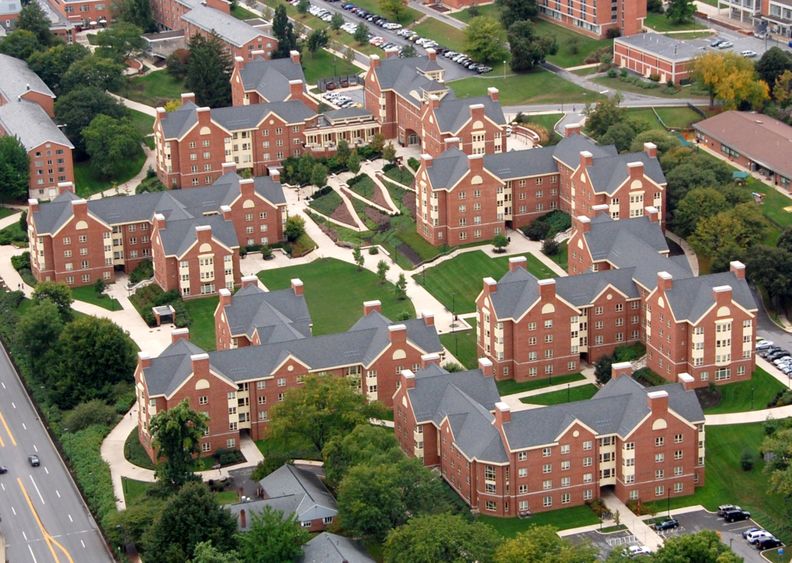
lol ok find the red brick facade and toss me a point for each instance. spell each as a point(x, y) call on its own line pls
point(242, 95)
point(648, 63)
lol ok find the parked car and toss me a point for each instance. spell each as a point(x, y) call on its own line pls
point(724, 508)
point(638, 550)
point(725, 45)
point(736, 515)
point(717, 41)
point(34, 460)
point(3, 469)
point(484, 69)
point(754, 537)
point(667, 524)
point(768, 543)
point(748, 531)
point(764, 344)
point(748, 53)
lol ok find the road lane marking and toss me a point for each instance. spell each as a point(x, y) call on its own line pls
point(24, 535)
point(3, 486)
point(13, 404)
point(70, 519)
point(31, 554)
point(7, 429)
point(37, 489)
point(38, 520)
point(3, 384)
point(23, 426)
point(46, 470)
point(82, 543)
point(13, 510)
point(57, 492)
point(35, 448)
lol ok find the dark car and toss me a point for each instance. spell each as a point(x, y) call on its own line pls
point(736, 515)
point(768, 543)
point(668, 524)
point(34, 460)
point(3, 469)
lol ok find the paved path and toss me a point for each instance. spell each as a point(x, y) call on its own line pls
point(638, 527)
point(137, 106)
point(515, 403)
point(689, 253)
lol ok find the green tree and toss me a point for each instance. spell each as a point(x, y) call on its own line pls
point(94, 71)
point(365, 444)
point(283, 30)
point(295, 228)
point(361, 34)
point(357, 256)
point(485, 40)
point(20, 44)
point(401, 287)
point(205, 552)
point(663, 140)
point(620, 135)
point(57, 293)
point(317, 40)
point(176, 435)
point(38, 331)
point(111, 144)
point(785, 240)
point(128, 526)
point(500, 242)
point(14, 169)
point(701, 547)
point(528, 49)
point(87, 414)
point(353, 162)
point(680, 11)
point(319, 175)
point(389, 153)
point(779, 468)
point(382, 271)
point(336, 21)
point(730, 78)
point(393, 9)
point(272, 537)
point(782, 90)
point(342, 152)
point(602, 116)
point(773, 63)
point(323, 407)
point(51, 65)
point(441, 537)
point(188, 518)
point(408, 51)
point(377, 143)
point(176, 63)
point(602, 369)
point(79, 106)
point(303, 6)
point(726, 236)
point(32, 18)
point(698, 204)
point(542, 544)
point(209, 71)
point(516, 10)
point(135, 12)
point(121, 41)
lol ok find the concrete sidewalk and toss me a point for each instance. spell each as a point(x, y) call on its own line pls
point(638, 527)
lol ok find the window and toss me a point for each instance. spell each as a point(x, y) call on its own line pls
point(305, 523)
point(566, 481)
point(262, 416)
point(327, 520)
point(659, 474)
point(206, 447)
point(565, 448)
point(587, 461)
point(659, 441)
point(565, 465)
point(523, 489)
point(659, 490)
point(262, 400)
point(231, 443)
point(203, 399)
point(491, 505)
point(659, 458)
point(281, 382)
point(677, 470)
point(522, 456)
point(546, 452)
point(547, 501)
point(490, 488)
point(489, 473)
point(566, 498)
point(678, 455)
point(678, 487)
point(522, 472)
point(587, 478)
point(629, 446)
point(261, 385)
point(587, 445)
point(547, 468)
point(547, 484)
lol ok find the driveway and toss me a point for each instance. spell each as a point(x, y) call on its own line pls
point(605, 542)
point(731, 534)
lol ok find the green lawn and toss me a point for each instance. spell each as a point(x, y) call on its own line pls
point(573, 48)
point(134, 452)
point(144, 124)
point(568, 395)
point(373, 6)
point(462, 345)
point(401, 175)
point(659, 22)
point(562, 257)
point(364, 187)
point(322, 64)
point(490, 10)
point(134, 490)
point(153, 89)
point(447, 36)
point(672, 117)
point(510, 387)
point(548, 121)
point(726, 482)
point(326, 204)
point(531, 88)
point(457, 282)
point(88, 294)
point(88, 182)
point(335, 292)
point(747, 395)
point(241, 13)
point(7, 211)
point(654, 88)
point(563, 519)
point(201, 312)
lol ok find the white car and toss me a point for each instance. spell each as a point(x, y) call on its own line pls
point(764, 344)
point(638, 550)
point(754, 537)
point(726, 45)
point(748, 53)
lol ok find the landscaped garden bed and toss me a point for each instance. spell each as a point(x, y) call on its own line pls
point(365, 187)
point(330, 204)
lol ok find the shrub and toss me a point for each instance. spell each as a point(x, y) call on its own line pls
point(629, 352)
point(229, 456)
point(654, 77)
point(413, 163)
point(144, 271)
point(295, 228)
point(537, 230)
point(266, 252)
point(99, 286)
point(747, 460)
point(602, 369)
point(87, 414)
point(21, 261)
point(612, 73)
point(550, 247)
point(647, 377)
point(623, 73)
point(373, 250)
point(612, 33)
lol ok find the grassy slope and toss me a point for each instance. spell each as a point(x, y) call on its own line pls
point(325, 65)
point(201, 312)
point(144, 124)
point(87, 294)
point(548, 121)
point(449, 37)
point(509, 386)
point(463, 345)
point(532, 88)
point(563, 396)
point(154, 89)
point(563, 519)
point(88, 182)
point(659, 22)
point(747, 395)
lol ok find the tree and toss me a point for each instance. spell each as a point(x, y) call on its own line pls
point(542, 544)
point(205, 552)
point(620, 135)
point(782, 90)
point(357, 256)
point(377, 143)
point(336, 21)
point(89, 413)
point(401, 287)
point(283, 30)
point(680, 11)
point(342, 152)
point(135, 12)
point(176, 63)
point(365, 444)
point(516, 10)
point(79, 106)
point(51, 65)
point(485, 40)
point(295, 228)
point(188, 518)
point(500, 242)
point(361, 34)
point(272, 537)
point(726, 236)
point(730, 78)
point(38, 331)
point(32, 18)
point(382, 271)
point(353, 162)
point(317, 39)
point(778, 443)
point(696, 205)
point(602, 116)
point(20, 44)
point(374, 499)
point(14, 169)
point(662, 139)
point(773, 63)
point(323, 407)
point(57, 293)
point(176, 434)
point(303, 6)
point(128, 526)
point(440, 537)
point(121, 41)
point(389, 153)
point(527, 48)
point(111, 144)
point(408, 51)
point(209, 71)
point(393, 9)
point(602, 369)
point(94, 71)
point(701, 547)
point(319, 175)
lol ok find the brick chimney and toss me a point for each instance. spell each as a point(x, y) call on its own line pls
point(144, 360)
point(582, 224)
point(407, 379)
point(258, 53)
point(658, 402)
point(502, 414)
point(297, 286)
point(200, 364)
point(204, 115)
point(686, 380)
point(547, 289)
point(371, 306)
point(476, 112)
point(79, 208)
point(430, 360)
point(434, 101)
point(161, 112)
point(203, 233)
point(635, 170)
point(64, 187)
point(247, 187)
point(239, 63)
point(650, 149)
point(738, 269)
point(427, 160)
point(485, 366)
point(397, 334)
point(33, 206)
point(274, 174)
point(664, 281)
point(226, 211)
point(571, 129)
point(490, 285)
point(428, 318)
point(159, 221)
point(621, 368)
point(391, 53)
point(516, 262)
point(476, 163)
point(295, 89)
point(586, 159)
point(249, 281)
point(493, 93)
point(229, 167)
point(600, 208)
point(294, 56)
point(722, 295)
point(431, 54)
point(180, 334)
point(374, 61)
point(652, 213)
point(451, 143)
point(225, 296)
point(187, 97)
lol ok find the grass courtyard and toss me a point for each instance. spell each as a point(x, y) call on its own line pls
point(89, 182)
point(510, 387)
point(88, 294)
point(201, 311)
point(447, 36)
point(747, 395)
point(462, 344)
point(659, 22)
point(563, 519)
point(153, 89)
point(548, 121)
point(457, 282)
point(144, 124)
point(535, 87)
point(568, 395)
point(673, 117)
point(323, 64)
point(335, 292)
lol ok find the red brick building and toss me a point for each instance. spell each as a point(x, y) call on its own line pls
point(236, 387)
point(655, 55)
point(260, 81)
point(79, 242)
point(643, 443)
point(27, 109)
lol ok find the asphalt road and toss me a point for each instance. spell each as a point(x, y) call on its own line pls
point(44, 518)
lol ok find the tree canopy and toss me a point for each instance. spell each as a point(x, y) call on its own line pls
point(485, 40)
point(272, 537)
point(51, 65)
point(135, 12)
point(541, 544)
point(209, 69)
point(283, 30)
point(730, 78)
point(32, 18)
point(79, 106)
point(20, 43)
point(680, 11)
point(528, 49)
point(516, 10)
point(726, 236)
point(701, 547)
point(772, 64)
point(121, 41)
point(57, 293)
point(14, 169)
point(366, 443)
point(176, 435)
point(779, 468)
point(393, 9)
point(111, 143)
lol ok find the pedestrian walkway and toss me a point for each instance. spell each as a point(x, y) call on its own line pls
point(637, 527)
point(137, 106)
point(689, 253)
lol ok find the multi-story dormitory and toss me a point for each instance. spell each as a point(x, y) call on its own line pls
point(623, 288)
point(265, 348)
point(192, 237)
point(642, 443)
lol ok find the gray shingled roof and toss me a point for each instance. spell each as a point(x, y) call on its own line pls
point(453, 114)
point(229, 28)
point(345, 113)
point(582, 289)
point(233, 118)
point(447, 169)
point(607, 173)
point(405, 77)
point(521, 164)
point(277, 315)
point(31, 125)
point(176, 123)
point(271, 78)
point(332, 548)
point(16, 78)
point(517, 292)
point(568, 149)
point(690, 298)
point(300, 490)
point(169, 370)
point(178, 236)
